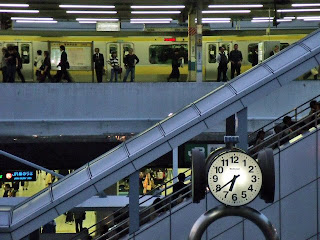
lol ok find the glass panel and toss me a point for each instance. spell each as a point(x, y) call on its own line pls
point(162, 54)
point(212, 53)
point(113, 48)
point(283, 45)
point(126, 48)
point(251, 48)
point(226, 47)
point(25, 53)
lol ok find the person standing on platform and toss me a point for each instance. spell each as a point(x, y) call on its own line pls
point(4, 65)
point(222, 59)
point(130, 61)
point(275, 51)
point(12, 63)
point(38, 61)
point(64, 64)
point(98, 61)
point(7, 190)
point(235, 58)
point(115, 70)
point(79, 216)
point(19, 67)
point(175, 73)
point(255, 58)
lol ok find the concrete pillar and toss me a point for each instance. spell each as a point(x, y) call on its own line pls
point(199, 41)
point(242, 130)
point(175, 166)
point(134, 202)
point(192, 31)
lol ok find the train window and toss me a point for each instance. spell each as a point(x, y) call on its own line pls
point(25, 53)
point(251, 49)
point(284, 45)
point(113, 48)
point(162, 54)
point(126, 48)
point(212, 53)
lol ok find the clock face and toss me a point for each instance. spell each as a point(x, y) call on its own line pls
point(234, 178)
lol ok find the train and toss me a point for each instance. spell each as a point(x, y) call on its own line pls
point(153, 51)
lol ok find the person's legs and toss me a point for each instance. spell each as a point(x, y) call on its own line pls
point(112, 74)
point(219, 74)
point(11, 73)
point(133, 70)
point(77, 222)
point(20, 75)
point(66, 75)
point(4, 74)
point(238, 69)
point(99, 75)
point(224, 72)
point(126, 75)
point(116, 76)
point(233, 69)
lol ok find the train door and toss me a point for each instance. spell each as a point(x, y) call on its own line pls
point(121, 49)
point(25, 50)
point(212, 51)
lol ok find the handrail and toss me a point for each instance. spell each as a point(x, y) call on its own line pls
point(293, 110)
point(26, 162)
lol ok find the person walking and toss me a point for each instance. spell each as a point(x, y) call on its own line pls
point(19, 67)
point(222, 59)
point(114, 62)
point(64, 64)
point(45, 68)
point(130, 61)
point(38, 61)
point(79, 216)
point(4, 65)
point(12, 63)
point(235, 58)
point(98, 61)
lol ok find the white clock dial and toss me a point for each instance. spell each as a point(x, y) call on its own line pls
point(234, 178)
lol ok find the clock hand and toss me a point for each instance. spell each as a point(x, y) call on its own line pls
point(233, 182)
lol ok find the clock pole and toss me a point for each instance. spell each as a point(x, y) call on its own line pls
point(251, 214)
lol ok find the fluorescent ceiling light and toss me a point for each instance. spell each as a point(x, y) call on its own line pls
point(270, 20)
point(306, 5)
point(227, 11)
point(141, 22)
point(150, 19)
point(216, 19)
point(35, 19)
point(86, 6)
point(98, 19)
point(87, 22)
point(289, 18)
point(13, 5)
point(93, 12)
point(155, 12)
point(18, 11)
point(212, 21)
point(158, 7)
point(237, 6)
point(262, 18)
point(309, 17)
point(299, 10)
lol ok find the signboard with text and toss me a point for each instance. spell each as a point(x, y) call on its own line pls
point(18, 175)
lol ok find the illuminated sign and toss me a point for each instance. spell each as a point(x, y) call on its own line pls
point(14, 175)
point(170, 39)
point(108, 26)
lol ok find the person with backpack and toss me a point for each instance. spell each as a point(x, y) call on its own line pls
point(222, 59)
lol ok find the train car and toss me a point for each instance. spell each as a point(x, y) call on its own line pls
point(154, 53)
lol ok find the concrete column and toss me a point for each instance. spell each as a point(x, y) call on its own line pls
point(242, 130)
point(199, 41)
point(192, 30)
point(175, 164)
point(134, 202)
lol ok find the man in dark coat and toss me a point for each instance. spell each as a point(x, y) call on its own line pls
point(235, 58)
point(64, 64)
point(98, 61)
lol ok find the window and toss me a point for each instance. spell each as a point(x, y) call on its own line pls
point(25, 53)
point(251, 48)
point(284, 45)
point(162, 54)
point(212, 53)
point(113, 49)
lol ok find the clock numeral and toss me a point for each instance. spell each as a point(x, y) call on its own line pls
point(254, 178)
point(235, 159)
point(226, 192)
point(218, 188)
point(224, 162)
point(219, 169)
point(244, 163)
point(234, 197)
point(250, 188)
point(215, 178)
point(244, 194)
point(251, 169)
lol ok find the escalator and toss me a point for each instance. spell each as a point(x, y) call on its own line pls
point(172, 212)
point(173, 131)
